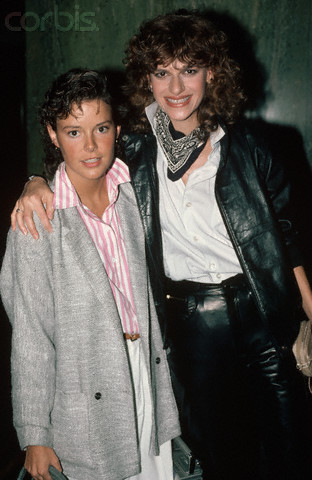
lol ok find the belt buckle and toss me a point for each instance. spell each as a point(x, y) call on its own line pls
point(132, 336)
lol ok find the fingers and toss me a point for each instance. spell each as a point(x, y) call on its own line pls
point(36, 195)
point(17, 219)
point(22, 219)
point(29, 221)
point(38, 472)
point(50, 210)
point(40, 476)
point(48, 201)
point(22, 216)
point(38, 460)
point(13, 216)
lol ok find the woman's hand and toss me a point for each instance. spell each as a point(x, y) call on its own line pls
point(38, 460)
point(37, 197)
point(305, 290)
point(307, 307)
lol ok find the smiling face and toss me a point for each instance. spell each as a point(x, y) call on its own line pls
point(179, 90)
point(86, 139)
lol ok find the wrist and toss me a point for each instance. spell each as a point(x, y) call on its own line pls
point(37, 176)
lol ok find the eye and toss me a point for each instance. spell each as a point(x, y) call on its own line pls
point(160, 74)
point(73, 133)
point(103, 129)
point(191, 71)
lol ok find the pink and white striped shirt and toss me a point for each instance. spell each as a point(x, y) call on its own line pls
point(107, 236)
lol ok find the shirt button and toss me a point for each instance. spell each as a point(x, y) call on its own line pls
point(157, 360)
point(114, 260)
point(189, 204)
point(218, 275)
point(212, 266)
point(97, 396)
point(196, 238)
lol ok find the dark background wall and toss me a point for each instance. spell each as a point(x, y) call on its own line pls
point(14, 168)
point(93, 33)
point(41, 39)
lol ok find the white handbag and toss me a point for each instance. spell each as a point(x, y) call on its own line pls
point(302, 349)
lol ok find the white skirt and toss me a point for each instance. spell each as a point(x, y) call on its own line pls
point(153, 468)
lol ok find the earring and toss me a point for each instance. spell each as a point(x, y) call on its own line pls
point(150, 88)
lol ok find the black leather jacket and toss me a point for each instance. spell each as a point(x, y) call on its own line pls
point(253, 196)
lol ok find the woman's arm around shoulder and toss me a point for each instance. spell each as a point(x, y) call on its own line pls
point(36, 197)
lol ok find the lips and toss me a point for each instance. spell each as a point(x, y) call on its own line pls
point(92, 162)
point(178, 102)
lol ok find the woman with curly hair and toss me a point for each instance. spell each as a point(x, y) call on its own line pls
point(165, 40)
point(222, 250)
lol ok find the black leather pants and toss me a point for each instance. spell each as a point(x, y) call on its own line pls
point(244, 408)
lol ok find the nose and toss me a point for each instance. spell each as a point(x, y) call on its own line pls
point(90, 143)
point(176, 84)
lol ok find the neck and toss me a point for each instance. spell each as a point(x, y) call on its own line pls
point(199, 162)
point(93, 194)
point(186, 126)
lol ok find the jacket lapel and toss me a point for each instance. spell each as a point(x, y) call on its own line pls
point(82, 246)
point(132, 230)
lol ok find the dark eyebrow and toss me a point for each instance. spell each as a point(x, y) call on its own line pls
point(186, 67)
point(76, 127)
point(110, 122)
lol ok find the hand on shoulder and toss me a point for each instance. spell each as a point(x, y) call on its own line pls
point(36, 197)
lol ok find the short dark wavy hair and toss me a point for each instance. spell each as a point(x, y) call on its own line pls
point(192, 39)
point(73, 87)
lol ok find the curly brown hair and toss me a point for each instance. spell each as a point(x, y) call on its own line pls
point(191, 38)
point(73, 87)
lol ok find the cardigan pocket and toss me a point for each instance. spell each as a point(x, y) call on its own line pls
point(70, 427)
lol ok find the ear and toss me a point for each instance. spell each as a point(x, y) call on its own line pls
point(209, 75)
point(118, 131)
point(53, 136)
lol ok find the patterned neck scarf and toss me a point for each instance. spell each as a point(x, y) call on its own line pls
point(181, 150)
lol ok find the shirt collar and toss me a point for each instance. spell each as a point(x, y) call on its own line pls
point(150, 113)
point(65, 195)
point(216, 136)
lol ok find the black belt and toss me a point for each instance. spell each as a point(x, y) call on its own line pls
point(184, 288)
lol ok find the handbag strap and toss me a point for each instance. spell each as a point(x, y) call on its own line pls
point(22, 474)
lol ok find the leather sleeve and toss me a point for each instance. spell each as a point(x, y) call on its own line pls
point(279, 195)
